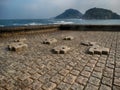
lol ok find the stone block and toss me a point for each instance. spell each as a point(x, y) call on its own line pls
point(49, 41)
point(17, 46)
point(94, 81)
point(105, 51)
point(49, 86)
point(68, 38)
point(96, 49)
point(82, 80)
point(20, 40)
point(92, 43)
point(95, 46)
point(61, 49)
point(85, 43)
point(91, 51)
point(70, 79)
point(88, 43)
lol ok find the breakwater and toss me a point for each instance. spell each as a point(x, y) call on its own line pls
point(27, 28)
point(90, 27)
point(47, 28)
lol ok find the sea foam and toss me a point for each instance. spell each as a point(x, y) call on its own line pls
point(63, 22)
point(1, 25)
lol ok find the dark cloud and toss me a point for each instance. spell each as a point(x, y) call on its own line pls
point(50, 8)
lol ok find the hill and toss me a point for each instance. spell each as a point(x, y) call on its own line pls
point(99, 13)
point(69, 14)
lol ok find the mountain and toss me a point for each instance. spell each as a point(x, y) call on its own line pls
point(69, 14)
point(99, 13)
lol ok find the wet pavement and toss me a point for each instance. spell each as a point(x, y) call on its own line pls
point(38, 68)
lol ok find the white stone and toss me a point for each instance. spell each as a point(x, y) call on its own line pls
point(68, 38)
point(88, 43)
point(96, 49)
point(105, 50)
point(61, 49)
point(17, 46)
point(49, 41)
point(20, 40)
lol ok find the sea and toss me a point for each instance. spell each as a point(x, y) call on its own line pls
point(31, 22)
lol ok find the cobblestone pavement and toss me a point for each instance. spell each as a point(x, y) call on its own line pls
point(37, 68)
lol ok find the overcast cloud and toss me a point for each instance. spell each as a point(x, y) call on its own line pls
point(50, 8)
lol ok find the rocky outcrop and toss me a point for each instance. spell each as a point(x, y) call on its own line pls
point(69, 14)
point(99, 13)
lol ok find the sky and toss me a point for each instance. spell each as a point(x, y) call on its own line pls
point(38, 9)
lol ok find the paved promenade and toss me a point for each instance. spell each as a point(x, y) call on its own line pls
point(37, 68)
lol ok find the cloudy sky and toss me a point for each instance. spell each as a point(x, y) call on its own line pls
point(18, 9)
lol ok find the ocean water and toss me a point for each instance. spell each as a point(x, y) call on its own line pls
point(28, 22)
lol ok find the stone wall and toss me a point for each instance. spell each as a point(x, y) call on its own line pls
point(91, 27)
point(9, 31)
point(27, 28)
point(6, 31)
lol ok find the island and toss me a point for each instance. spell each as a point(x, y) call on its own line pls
point(70, 14)
point(93, 13)
point(100, 13)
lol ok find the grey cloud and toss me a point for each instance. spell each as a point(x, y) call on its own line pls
point(50, 8)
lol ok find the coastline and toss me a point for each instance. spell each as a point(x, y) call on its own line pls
point(12, 29)
point(18, 30)
point(22, 30)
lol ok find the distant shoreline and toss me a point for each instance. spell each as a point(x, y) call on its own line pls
point(64, 26)
point(22, 30)
point(41, 22)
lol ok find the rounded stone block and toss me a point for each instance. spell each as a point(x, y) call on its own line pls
point(96, 49)
point(17, 46)
point(105, 51)
point(20, 40)
point(49, 41)
point(88, 43)
point(61, 49)
point(68, 38)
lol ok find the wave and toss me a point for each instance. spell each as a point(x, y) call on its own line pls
point(63, 22)
point(29, 24)
point(34, 24)
point(16, 24)
point(1, 25)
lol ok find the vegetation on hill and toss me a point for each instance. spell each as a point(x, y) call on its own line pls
point(93, 13)
point(69, 14)
point(99, 13)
